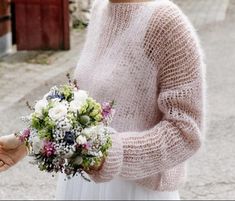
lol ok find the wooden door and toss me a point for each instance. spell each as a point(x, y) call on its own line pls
point(42, 24)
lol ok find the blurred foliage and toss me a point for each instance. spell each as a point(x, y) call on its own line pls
point(79, 25)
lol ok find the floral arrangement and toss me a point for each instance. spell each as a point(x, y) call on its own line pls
point(68, 131)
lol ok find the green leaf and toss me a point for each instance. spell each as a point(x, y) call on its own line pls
point(36, 122)
point(67, 91)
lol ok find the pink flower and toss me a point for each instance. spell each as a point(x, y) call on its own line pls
point(48, 148)
point(25, 135)
point(86, 146)
point(107, 110)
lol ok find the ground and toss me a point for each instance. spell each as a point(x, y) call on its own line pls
point(28, 75)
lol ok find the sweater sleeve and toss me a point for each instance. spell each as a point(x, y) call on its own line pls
point(137, 155)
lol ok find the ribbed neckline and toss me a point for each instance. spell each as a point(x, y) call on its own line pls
point(132, 3)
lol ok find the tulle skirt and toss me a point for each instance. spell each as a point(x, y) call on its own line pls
point(117, 189)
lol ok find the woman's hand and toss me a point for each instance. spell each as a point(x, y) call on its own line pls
point(11, 151)
point(94, 169)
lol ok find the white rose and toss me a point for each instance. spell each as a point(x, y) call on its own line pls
point(88, 131)
point(93, 132)
point(36, 144)
point(80, 96)
point(40, 105)
point(58, 111)
point(46, 95)
point(55, 100)
point(81, 139)
point(75, 106)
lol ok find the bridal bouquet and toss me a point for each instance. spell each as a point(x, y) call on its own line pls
point(68, 131)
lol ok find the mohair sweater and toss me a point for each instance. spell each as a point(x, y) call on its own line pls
point(147, 57)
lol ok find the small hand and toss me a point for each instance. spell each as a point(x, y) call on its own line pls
point(92, 170)
point(11, 151)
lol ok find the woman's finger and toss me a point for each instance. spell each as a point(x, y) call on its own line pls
point(1, 163)
point(9, 142)
point(89, 171)
point(93, 169)
point(6, 159)
point(4, 168)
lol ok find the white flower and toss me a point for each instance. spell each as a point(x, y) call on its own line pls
point(94, 131)
point(46, 95)
point(89, 132)
point(100, 154)
point(36, 144)
point(55, 100)
point(75, 106)
point(58, 111)
point(64, 124)
point(81, 139)
point(40, 105)
point(80, 96)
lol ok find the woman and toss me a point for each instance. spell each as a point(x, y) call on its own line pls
point(145, 55)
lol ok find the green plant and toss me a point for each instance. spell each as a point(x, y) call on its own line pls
point(79, 25)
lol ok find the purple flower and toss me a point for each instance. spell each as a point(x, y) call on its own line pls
point(48, 148)
point(87, 146)
point(25, 135)
point(107, 110)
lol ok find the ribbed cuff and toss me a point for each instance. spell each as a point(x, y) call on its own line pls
point(113, 163)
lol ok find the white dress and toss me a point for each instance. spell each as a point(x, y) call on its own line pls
point(117, 189)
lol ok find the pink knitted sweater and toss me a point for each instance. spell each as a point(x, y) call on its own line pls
point(148, 58)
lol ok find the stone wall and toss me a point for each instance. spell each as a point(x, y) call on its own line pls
point(80, 11)
point(5, 27)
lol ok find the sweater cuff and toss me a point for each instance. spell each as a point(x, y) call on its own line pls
point(113, 163)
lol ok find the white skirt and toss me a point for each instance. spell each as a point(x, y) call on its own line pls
point(79, 189)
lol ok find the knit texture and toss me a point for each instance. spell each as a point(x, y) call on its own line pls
point(147, 57)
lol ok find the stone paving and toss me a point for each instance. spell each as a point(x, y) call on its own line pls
point(26, 76)
point(211, 171)
point(204, 12)
point(34, 68)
